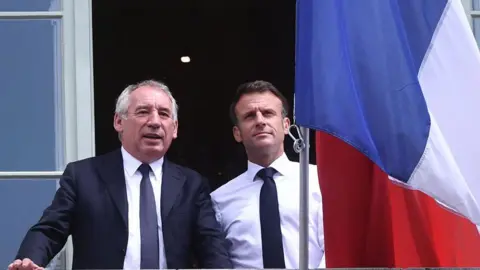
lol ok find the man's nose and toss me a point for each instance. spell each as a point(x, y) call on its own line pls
point(260, 119)
point(154, 121)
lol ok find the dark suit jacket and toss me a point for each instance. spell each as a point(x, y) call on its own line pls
point(91, 205)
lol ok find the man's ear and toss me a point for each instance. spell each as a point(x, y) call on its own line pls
point(236, 134)
point(286, 125)
point(117, 123)
point(175, 129)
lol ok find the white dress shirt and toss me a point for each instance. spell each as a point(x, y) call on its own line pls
point(132, 179)
point(237, 209)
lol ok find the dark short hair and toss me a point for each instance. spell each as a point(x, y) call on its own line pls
point(256, 87)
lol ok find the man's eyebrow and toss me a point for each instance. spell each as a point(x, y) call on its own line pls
point(250, 111)
point(267, 109)
point(163, 108)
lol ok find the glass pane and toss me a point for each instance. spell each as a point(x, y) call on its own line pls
point(30, 95)
point(30, 5)
point(476, 4)
point(476, 29)
point(21, 205)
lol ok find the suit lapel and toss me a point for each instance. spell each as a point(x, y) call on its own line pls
point(110, 168)
point(111, 172)
point(172, 183)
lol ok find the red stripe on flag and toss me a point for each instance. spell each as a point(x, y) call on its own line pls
point(369, 221)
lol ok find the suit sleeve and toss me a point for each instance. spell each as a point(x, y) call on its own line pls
point(211, 246)
point(46, 238)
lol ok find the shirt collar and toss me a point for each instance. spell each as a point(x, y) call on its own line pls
point(131, 164)
point(281, 164)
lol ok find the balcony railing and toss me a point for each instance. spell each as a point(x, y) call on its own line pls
point(45, 175)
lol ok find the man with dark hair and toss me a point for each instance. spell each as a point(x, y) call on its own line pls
point(259, 209)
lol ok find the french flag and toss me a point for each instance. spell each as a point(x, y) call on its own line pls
point(392, 88)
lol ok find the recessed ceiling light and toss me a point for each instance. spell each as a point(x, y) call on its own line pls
point(185, 59)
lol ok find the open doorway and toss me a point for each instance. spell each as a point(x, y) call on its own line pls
point(228, 42)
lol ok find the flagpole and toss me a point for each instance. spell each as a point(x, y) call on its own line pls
point(304, 197)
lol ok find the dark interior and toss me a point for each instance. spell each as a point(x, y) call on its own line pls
point(229, 42)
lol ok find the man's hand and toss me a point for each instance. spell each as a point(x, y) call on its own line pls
point(25, 264)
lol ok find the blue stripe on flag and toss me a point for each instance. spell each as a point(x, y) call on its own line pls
point(356, 75)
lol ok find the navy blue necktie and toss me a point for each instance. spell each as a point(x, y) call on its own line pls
point(149, 246)
point(272, 246)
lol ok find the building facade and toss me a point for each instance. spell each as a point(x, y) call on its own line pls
point(46, 104)
point(46, 100)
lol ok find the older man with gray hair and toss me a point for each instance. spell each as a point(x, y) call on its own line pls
point(131, 208)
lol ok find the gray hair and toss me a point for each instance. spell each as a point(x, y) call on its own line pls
point(123, 101)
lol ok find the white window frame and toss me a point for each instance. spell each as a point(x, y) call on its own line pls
point(471, 13)
point(77, 121)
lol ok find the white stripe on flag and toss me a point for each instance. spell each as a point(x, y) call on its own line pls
point(450, 80)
